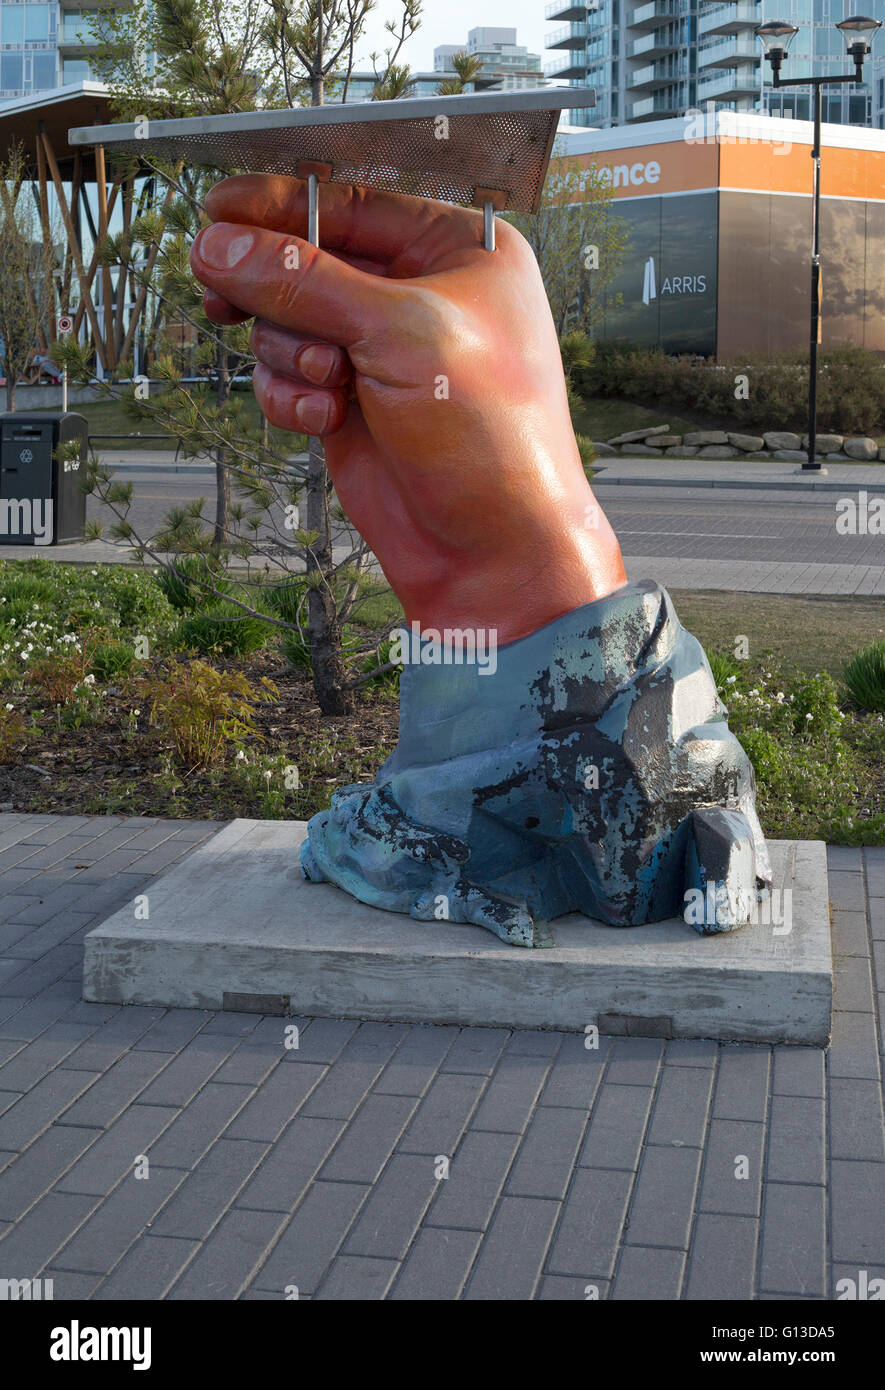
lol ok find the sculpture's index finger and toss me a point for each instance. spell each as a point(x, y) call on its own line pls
point(374, 224)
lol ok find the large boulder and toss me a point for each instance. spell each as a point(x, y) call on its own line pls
point(664, 441)
point(604, 451)
point(717, 451)
point(795, 455)
point(643, 449)
point(747, 443)
point(633, 435)
point(860, 447)
point(782, 439)
point(702, 437)
point(824, 443)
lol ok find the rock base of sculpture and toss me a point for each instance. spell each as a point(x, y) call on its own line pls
point(236, 926)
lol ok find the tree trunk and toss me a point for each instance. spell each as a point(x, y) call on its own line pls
point(10, 390)
point(222, 476)
point(323, 627)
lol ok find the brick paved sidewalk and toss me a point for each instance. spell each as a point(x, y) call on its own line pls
point(320, 1167)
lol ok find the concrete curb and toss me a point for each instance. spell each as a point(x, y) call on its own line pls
point(753, 485)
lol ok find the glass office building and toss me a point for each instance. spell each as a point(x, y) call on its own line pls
point(653, 60)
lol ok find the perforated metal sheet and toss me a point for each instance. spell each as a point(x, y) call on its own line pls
point(435, 147)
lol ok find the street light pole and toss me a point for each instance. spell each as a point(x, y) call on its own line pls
point(776, 37)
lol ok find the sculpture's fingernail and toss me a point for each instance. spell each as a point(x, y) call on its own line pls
point(221, 249)
point(313, 413)
point(318, 362)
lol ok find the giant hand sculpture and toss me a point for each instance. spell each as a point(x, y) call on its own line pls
point(590, 768)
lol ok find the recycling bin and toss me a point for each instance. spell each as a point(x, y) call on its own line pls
point(40, 500)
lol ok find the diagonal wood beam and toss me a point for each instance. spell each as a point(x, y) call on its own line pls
point(85, 292)
point(93, 264)
point(148, 271)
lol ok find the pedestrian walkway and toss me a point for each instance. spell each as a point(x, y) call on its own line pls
point(759, 576)
point(151, 1153)
point(767, 474)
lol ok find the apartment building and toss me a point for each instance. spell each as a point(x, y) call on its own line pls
point(654, 60)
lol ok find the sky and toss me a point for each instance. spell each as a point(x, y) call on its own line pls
point(447, 21)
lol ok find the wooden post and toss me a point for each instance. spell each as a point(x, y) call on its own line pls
point(74, 247)
point(101, 186)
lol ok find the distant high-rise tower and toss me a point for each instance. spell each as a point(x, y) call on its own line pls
point(652, 60)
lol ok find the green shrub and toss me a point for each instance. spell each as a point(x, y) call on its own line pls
point(864, 677)
point(224, 628)
point(110, 660)
point(182, 584)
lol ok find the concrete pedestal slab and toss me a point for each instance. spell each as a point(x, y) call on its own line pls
point(235, 926)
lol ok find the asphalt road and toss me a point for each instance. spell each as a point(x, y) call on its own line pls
point(677, 523)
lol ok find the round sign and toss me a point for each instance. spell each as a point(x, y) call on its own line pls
point(65, 323)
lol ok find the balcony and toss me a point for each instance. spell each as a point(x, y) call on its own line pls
point(728, 53)
point(565, 68)
point(728, 84)
point(728, 19)
point(568, 36)
point(564, 9)
point(653, 46)
point(656, 108)
point(653, 15)
point(657, 75)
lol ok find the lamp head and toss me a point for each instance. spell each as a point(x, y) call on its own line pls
point(858, 32)
point(776, 37)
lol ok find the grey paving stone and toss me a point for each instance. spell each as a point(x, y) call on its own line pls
point(691, 1052)
point(877, 918)
point(115, 1089)
point(37, 1058)
point(681, 1106)
point(634, 1061)
point(323, 1040)
point(589, 1233)
point(70, 1286)
point(793, 1248)
point(274, 1103)
point(576, 1073)
point(355, 1278)
point(116, 1151)
point(852, 984)
point(206, 1193)
point(44, 1103)
point(466, 1199)
point(845, 857)
point(850, 934)
point(856, 1129)
point(118, 1222)
point(663, 1199)
point(846, 891)
point(147, 1270)
point(416, 1061)
point(799, 1071)
point(859, 1285)
point(476, 1050)
point(796, 1140)
point(312, 1238)
point(511, 1094)
point(617, 1126)
point(187, 1073)
point(722, 1190)
point(511, 1260)
point(30, 1245)
point(69, 926)
point(370, 1139)
point(51, 905)
point(857, 1197)
point(547, 1154)
point(648, 1274)
point(394, 1208)
point(246, 1066)
point(559, 1288)
point(741, 1083)
point(435, 1268)
point(854, 1046)
point(443, 1114)
point(173, 1031)
point(290, 1164)
point(191, 1133)
point(723, 1258)
point(277, 1035)
point(45, 971)
point(19, 1019)
point(238, 1025)
point(534, 1042)
point(30, 1174)
point(228, 1259)
point(339, 1092)
point(112, 1039)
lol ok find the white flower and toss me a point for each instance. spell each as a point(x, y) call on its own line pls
point(731, 680)
point(809, 716)
point(9, 706)
point(240, 754)
point(89, 680)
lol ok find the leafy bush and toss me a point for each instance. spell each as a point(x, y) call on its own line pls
point(864, 677)
point(182, 585)
point(850, 393)
point(224, 628)
point(203, 710)
point(13, 732)
point(111, 660)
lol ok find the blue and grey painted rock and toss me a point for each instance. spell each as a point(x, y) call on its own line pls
point(592, 770)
